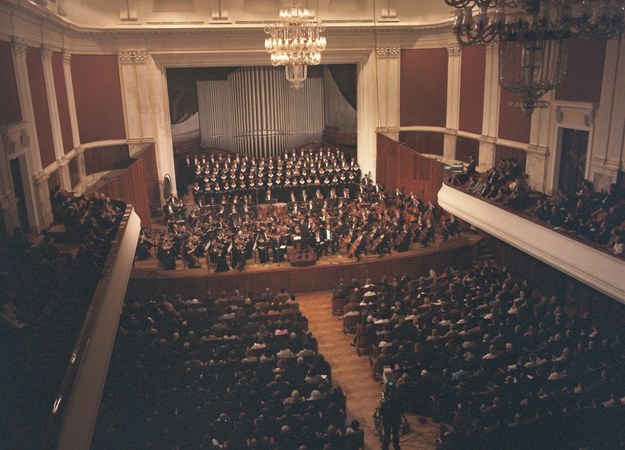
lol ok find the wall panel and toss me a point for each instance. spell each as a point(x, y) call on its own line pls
point(473, 71)
point(584, 71)
point(40, 106)
point(423, 141)
point(98, 96)
point(465, 148)
point(513, 124)
point(61, 100)
point(423, 87)
point(400, 167)
point(10, 111)
point(101, 159)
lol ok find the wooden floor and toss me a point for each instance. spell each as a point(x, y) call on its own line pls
point(352, 373)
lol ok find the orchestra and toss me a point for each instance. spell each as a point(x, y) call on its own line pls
point(236, 218)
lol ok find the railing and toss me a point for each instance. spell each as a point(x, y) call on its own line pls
point(580, 259)
point(76, 405)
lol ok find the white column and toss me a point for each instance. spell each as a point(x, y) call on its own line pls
point(130, 97)
point(160, 110)
point(607, 153)
point(388, 82)
point(144, 92)
point(55, 121)
point(368, 115)
point(71, 100)
point(35, 188)
point(136, 94)
point(452, 122)
point(537, 161)
point(490, 117)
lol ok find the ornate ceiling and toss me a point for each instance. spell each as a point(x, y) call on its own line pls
point(111, 14)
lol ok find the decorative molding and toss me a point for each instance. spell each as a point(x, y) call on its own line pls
point(538, 149)
point(19, 46)
point(387, 12)
point(46, 51)
point(15, 138)
point(453, 49)
point(492, 48)
point(140, 56)
point(589, 119)
point(67, 55)
point(387, 52)
point(126, 56)
point(488, 139)
point(133, 56)
point(8, 144)
point(219, 10)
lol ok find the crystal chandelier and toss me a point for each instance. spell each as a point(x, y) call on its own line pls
point(532, 37)
point(295, 42)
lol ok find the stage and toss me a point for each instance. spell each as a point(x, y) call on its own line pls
point(148, 279)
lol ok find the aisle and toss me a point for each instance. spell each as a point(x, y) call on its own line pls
point(353, 374)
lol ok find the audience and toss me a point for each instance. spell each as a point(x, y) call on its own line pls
point(44, 295)
point(230, 372)
point(595, 217)
point(500, 361)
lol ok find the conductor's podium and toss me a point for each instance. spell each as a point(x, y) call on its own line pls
point(305, 257)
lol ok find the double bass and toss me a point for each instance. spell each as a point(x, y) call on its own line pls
point(356, 244)
point(376, 243)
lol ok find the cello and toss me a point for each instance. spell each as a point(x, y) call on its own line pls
point(356, 244)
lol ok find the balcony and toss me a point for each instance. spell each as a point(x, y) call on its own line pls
point(582, 261)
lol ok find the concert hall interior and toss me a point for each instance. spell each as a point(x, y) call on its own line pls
point(202, 249)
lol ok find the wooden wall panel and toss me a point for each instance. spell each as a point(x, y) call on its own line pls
point(473, 71)
point(407, 170)
point(40, 106)
point(423, 86)
point(466, 147)
point(148, 155)
point(100, 159)
point(130, 186)
point(423, 141)
point(62, 102)
point(97, 90)
point(10, 111)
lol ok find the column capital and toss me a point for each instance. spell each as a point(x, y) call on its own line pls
point(46, 52)
point(140, 56)
point(67, 55)
point(453, 49)
point(492, 48)
point(19, 46)
point(126, 56)
point(387, 52)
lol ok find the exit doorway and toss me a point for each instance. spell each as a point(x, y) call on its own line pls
point(574, 147)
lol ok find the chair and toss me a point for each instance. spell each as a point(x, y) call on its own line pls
point(350, 323)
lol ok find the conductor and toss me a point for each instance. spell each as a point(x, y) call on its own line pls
point(390, 412)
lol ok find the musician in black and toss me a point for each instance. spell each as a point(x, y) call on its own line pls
point(222, 261)
point(402, 241)
point(262, 245)
point(165, 254)
point(188, 254)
